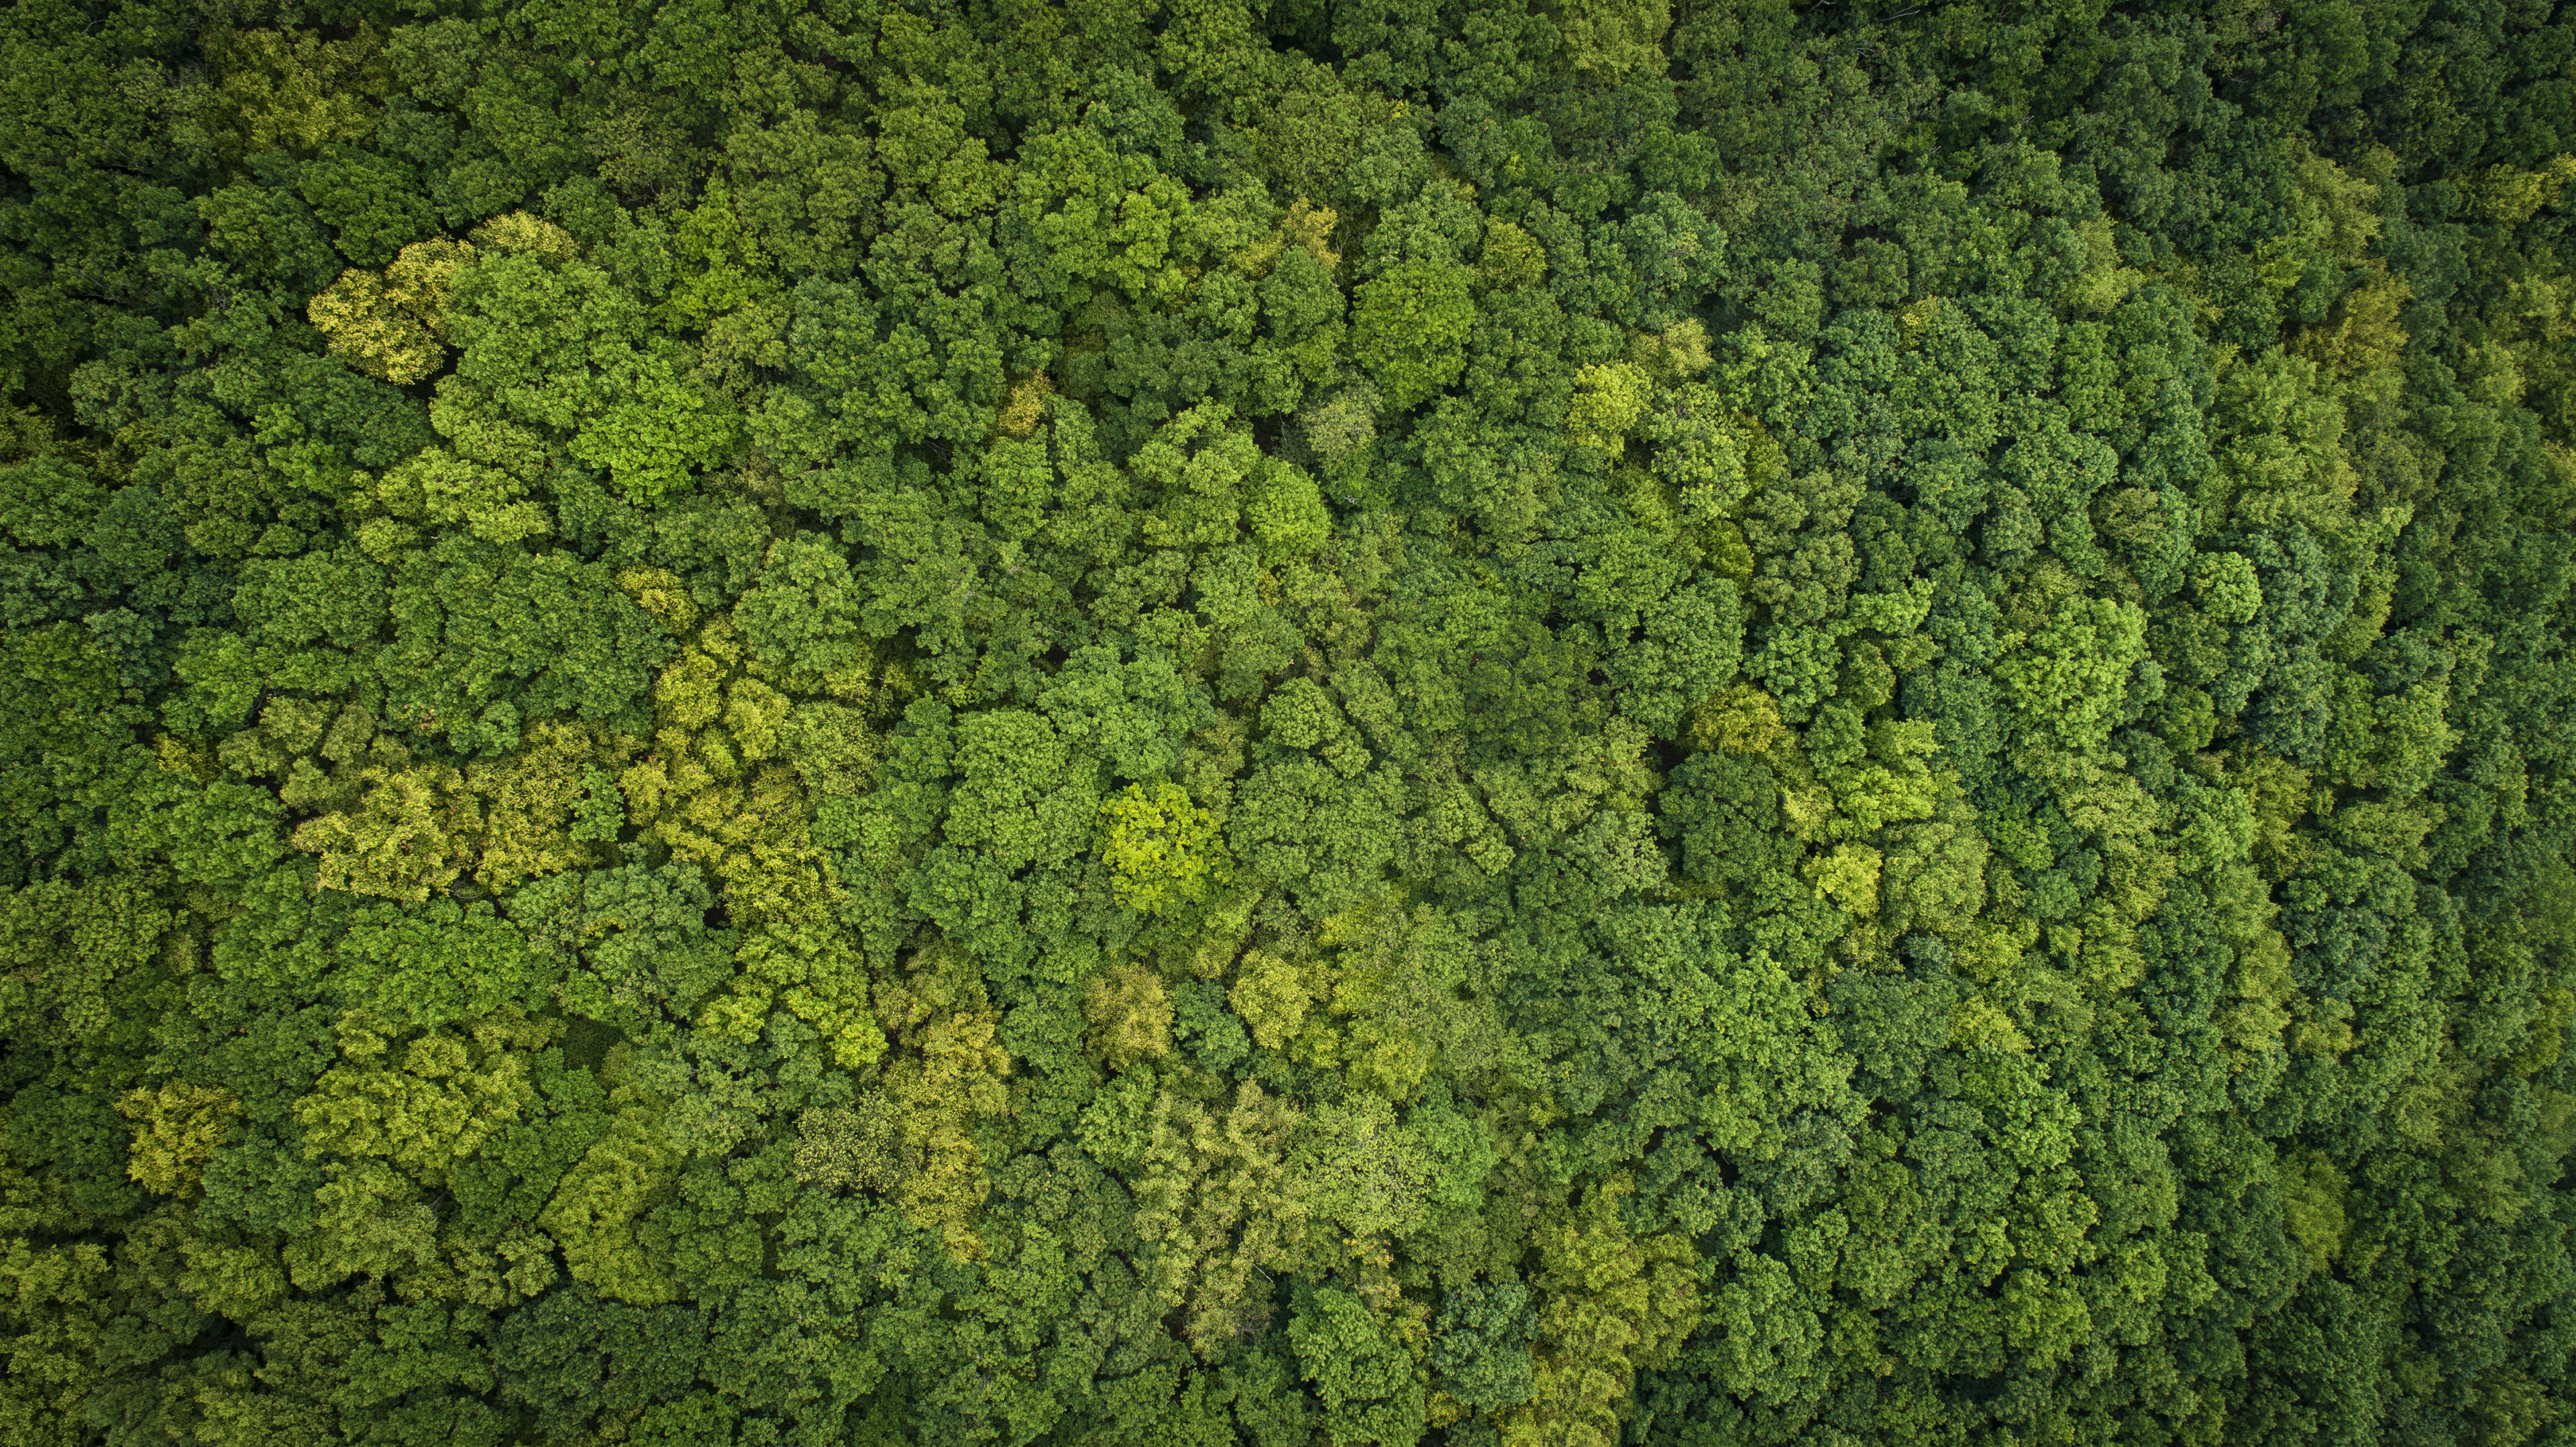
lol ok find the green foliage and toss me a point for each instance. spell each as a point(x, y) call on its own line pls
point(1131, 1016)
point(1613, 1305)
point(176, 1131)
point(1409, 328)
point(549, 341)
point(424, 1104)
point(593, 1213)
point(1161, 849)
point(1481, 1347)
point(1369, 1385)
point(1377, 723)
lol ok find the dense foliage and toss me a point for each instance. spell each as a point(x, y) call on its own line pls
point(1537, 722)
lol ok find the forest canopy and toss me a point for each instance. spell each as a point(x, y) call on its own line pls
point(1303, 723)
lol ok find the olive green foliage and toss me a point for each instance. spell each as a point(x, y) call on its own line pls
point(1161, 848)
point(1480, 723)
point(394, 326)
